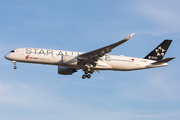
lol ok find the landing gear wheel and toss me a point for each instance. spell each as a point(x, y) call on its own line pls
point(86, 72)
point(15, 67)
point(91, 71)
point(84, 76)
point(88, 76)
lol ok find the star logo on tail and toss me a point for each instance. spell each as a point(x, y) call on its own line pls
point(160, 51)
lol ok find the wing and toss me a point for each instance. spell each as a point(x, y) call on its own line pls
point(93, 56)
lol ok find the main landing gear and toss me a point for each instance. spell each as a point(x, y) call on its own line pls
point(15, 67)
point(89, 75)
point(86, 74)
point(89, 69)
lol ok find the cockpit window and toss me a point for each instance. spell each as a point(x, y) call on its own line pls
point(12, 51)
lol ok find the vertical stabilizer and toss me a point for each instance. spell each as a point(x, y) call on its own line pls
point(159, 52)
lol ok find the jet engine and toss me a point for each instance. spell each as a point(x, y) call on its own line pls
point(66, 70)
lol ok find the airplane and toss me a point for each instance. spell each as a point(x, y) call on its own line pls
point(69, 62)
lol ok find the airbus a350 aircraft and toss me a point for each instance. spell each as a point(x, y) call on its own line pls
point(69, 62)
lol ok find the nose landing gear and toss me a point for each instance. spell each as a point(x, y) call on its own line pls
point(15, 67)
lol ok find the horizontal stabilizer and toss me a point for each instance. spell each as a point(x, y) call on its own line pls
point(163, 61)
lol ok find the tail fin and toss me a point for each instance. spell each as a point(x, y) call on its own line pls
point(159, 52)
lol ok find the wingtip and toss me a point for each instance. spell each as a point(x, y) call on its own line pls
point(127, 38)
point(132, 34)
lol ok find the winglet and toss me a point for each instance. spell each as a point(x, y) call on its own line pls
point(127, 38)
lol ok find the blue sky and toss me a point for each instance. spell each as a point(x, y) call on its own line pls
point(38, 92)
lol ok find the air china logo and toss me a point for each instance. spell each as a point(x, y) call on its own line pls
point(27, 57)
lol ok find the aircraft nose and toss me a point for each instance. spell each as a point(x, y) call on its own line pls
point(7, 56)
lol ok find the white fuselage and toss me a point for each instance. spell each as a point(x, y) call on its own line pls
point(55, 57)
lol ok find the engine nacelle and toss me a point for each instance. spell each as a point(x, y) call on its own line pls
point(66, 70)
